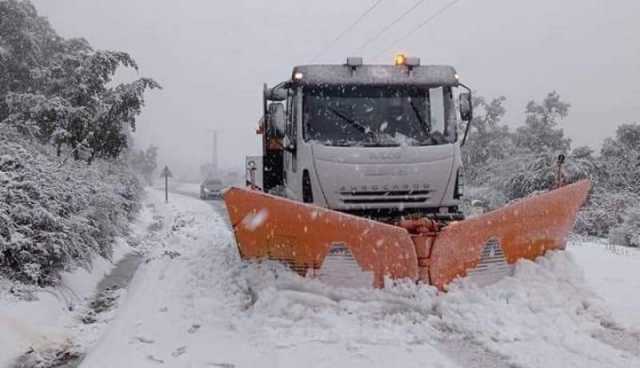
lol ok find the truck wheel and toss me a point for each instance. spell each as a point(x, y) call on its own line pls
point(307, 192)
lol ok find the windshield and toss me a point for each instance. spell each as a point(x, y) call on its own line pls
point(377, 116)
point(213, 182)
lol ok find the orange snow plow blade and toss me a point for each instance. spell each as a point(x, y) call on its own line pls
point(346, 250)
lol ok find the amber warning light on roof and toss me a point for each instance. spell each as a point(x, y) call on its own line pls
point(400, 59)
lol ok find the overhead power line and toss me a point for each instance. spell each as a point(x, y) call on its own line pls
point(348, 29)
point(393, 23)
point(419, 26)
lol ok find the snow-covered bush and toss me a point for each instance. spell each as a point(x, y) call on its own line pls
point(524, 173)
point(57, 216)
point(521, 175)
point(614, 207)
point(477, 200)
point(620, 159)
point(604, 211)
point(522, 162)
point(628, 233)
point(504, 165)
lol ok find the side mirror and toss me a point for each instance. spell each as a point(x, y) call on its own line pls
point(277, 120)
point(466, 113)
point(466, 107)
point(276, 93)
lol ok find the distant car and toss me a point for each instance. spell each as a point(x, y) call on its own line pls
point(211, 188)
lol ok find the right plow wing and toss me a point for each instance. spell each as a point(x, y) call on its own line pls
point(527, 229)
point(315, 241)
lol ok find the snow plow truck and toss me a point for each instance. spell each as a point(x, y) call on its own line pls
point(360, 182)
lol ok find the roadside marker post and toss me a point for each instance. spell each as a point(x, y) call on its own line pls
point(166, 173)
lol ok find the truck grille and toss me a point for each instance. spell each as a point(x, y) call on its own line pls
point(390, 196)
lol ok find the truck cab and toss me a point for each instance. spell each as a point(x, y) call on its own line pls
point(380, 141)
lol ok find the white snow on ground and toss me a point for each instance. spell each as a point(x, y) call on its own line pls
point(47, 320)
point(196, 309)
point(180, 187)
point(184, 187)
point(543, 316)
point(614, 273)
point(195, 304)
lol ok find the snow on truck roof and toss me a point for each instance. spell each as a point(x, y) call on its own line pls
point(387, 75)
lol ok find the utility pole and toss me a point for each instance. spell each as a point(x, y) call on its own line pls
point(214, 152)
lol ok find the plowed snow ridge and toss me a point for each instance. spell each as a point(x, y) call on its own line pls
point(194, 303)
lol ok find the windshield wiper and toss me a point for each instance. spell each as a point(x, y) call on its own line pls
point(425, 126)
point(352, 122)
point(375, 136)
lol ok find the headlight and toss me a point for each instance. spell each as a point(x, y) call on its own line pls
point(458, 191)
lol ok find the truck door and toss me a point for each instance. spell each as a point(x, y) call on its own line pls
point(291, 172)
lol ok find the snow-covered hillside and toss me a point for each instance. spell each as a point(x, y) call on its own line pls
point(193, 303)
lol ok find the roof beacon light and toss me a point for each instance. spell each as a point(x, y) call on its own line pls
point(400, 59)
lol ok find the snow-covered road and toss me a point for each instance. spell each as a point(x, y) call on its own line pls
point(193, 303)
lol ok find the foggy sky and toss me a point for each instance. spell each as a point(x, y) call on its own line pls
point(213, 56)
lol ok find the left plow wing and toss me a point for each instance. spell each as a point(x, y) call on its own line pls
point(301, 235)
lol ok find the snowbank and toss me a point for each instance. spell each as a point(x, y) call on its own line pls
point(544, 316)
point(50, 321)
point(47, 320)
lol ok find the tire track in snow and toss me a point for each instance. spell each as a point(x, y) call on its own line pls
point(619, 338)
point(468, 353)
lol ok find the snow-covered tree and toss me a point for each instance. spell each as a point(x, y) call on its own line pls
point(145, 162)
point(540, 133)
point(504, 165)
point(522, 162)
point(488, 139)
point(620, 158)
point(60, 90)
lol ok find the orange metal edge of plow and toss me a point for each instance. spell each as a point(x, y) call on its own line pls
point(269, 227)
